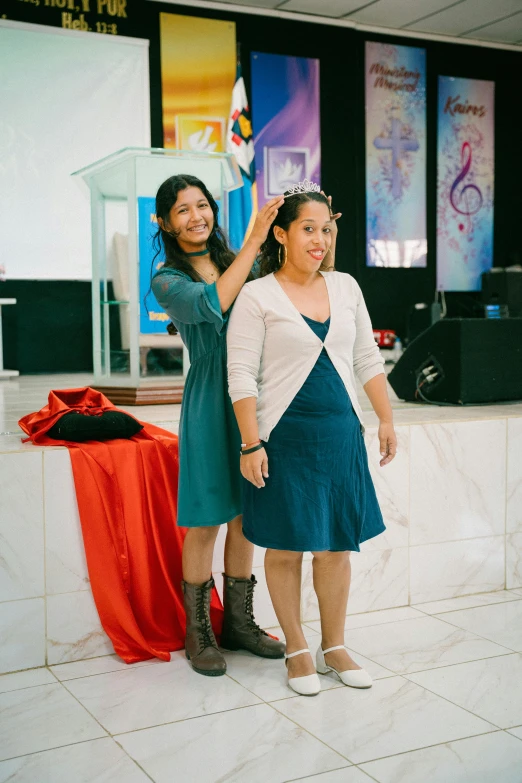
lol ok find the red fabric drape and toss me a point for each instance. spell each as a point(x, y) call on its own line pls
point(127, 498)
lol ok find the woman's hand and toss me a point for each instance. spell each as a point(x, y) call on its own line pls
point(264, 219)
point(387, 443)
point(254, 467)
point(334, 215)
point(233, 279)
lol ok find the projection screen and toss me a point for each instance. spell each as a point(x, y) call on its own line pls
point(68, 99)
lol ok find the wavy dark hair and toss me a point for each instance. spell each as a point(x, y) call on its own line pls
point(290, 210)
point(164, 242)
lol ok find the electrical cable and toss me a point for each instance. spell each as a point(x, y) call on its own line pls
point(419, 393)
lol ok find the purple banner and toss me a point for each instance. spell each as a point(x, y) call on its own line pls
point(285, 113)
point(465, 182)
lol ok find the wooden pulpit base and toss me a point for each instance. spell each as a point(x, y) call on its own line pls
point(143, 395)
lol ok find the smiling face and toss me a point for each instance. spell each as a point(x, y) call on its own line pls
point(191, 219)
point(308, 238)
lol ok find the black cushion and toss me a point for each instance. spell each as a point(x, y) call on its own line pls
point(78, 427)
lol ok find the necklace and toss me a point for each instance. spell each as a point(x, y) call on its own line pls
point(213, 275)
point(198, 253)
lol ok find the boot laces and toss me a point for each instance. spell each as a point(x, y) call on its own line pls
point(249, 609)
point(206, 636)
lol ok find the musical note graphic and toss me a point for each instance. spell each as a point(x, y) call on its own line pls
point(457, 198)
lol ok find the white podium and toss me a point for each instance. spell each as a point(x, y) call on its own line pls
point(127, 179)
point(5, 373)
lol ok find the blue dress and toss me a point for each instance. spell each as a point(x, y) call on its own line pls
point(319, 495)
point(209, 441)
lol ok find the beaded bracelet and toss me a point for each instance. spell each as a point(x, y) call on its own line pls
point(251, 451)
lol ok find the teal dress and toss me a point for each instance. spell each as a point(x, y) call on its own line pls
point(319, 495)
point(209, 440)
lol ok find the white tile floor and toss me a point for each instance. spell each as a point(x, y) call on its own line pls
point(445, 707)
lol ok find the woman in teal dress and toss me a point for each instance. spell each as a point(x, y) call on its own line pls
point(298, 339)
point(197, 286)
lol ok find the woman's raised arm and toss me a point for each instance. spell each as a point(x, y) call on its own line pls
point(232, 280)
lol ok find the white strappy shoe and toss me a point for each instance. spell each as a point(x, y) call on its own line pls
point(355, 678)
point(305, 686)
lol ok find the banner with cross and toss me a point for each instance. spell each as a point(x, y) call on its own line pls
point(395, 155)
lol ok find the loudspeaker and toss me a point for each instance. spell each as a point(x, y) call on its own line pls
point(421, 317)
point(474, 361)
point(503, 287)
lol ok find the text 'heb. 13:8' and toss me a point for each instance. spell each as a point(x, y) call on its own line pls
point(98, 16)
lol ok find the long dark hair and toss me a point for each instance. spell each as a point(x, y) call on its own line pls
point(164, 242)
point(270, 249)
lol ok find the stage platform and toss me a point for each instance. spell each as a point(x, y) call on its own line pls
point(452, 504)
point(29, 393)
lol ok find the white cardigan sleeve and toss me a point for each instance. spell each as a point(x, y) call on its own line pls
point(245, 338)
point(367, 360)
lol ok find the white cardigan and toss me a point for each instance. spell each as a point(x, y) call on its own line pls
point(272, 350)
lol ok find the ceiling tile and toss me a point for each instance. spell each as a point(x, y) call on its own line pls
point(323, 7)
point(466, 15)
point(397, 13)
point(489, 20)
point(507, 31)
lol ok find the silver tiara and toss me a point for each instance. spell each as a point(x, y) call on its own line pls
point(303, 187)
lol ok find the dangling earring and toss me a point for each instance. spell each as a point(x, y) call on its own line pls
point(282, 263)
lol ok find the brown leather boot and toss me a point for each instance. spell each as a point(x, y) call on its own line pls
point(240, 630)
point(200, 644)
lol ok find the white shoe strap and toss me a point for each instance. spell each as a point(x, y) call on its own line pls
point(331, 649)
point(299, 652)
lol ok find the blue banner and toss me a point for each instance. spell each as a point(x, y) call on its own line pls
point(285, 110)
point(395, 155)
point(153, 319)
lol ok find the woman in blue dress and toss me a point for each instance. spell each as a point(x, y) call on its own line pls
point(197, 286)
point(298, 337)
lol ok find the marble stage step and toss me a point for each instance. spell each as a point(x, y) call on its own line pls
point(451, 500)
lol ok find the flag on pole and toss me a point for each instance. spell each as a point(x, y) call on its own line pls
point(242, 203)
